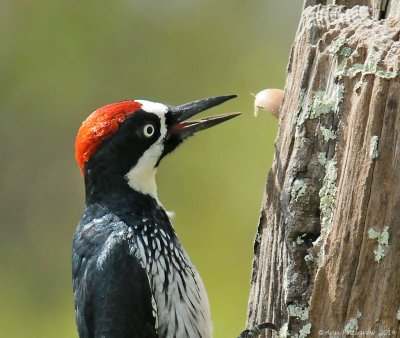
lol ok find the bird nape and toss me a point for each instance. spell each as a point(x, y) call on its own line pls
point(131, 275)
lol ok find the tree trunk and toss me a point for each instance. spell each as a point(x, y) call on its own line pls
point(327, 251)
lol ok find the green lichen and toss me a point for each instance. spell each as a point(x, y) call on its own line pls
point(373, 148)
point(370, 66)
point(325, 102)
point(300, 239)
point(386, 74)
point(322, 158)
point(383, 242)
point(354, 70)
point(305, 331)
point(327, 134)
point(345, 51)
point(298, 189)
point(327, 195)
point(298, 312)
point(321, 105)
point(341, 67)
point(343, 59)
point(339, 95)
point(301, 113)
point(379, 253)
point(284, 331)
point(289, 278)
point(336, 45)
point(352, 325)
point(309, 258)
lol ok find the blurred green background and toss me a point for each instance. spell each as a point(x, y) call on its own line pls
point(59, 61)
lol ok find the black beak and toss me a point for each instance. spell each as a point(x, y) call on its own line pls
point(180, 114)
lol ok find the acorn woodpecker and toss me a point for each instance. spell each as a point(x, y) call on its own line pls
point(131, 275)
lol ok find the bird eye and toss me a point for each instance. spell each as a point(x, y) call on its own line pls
point(148, 130)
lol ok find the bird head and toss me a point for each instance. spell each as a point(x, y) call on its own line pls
point(125, 141)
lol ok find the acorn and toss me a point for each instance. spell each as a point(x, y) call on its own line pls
point(268, 100)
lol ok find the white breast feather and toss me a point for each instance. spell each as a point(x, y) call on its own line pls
point(177, 318)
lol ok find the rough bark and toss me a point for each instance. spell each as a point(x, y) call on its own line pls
point(379, 9)
point(327, 252)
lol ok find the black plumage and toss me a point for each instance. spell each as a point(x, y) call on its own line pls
point(113, 297)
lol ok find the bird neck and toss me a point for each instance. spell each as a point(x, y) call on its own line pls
point(116, 189)
point(143, 179)
point(115, 179)
point(131, 207)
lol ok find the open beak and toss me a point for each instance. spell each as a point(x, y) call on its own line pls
point(180, 114)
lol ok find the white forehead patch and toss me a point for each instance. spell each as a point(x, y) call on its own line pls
point(153, 107)
point(142, 177)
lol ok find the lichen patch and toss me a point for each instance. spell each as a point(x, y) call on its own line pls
point(373, 149)
point(383, 242)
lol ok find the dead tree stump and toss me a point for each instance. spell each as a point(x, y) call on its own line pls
point(327, 251)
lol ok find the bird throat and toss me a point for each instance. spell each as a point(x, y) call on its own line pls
point(142, 177)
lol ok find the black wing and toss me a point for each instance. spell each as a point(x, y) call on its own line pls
point(111, 289)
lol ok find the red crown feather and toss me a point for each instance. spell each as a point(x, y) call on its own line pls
point(100, 125)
